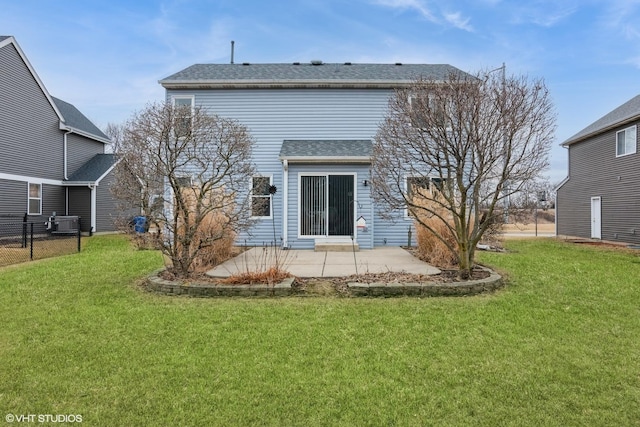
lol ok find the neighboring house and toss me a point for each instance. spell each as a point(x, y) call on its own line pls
point(53, 158)
point(314, 125)
point(600, 198)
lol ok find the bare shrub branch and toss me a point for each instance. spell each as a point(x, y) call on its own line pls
point(189, 172)
point(472, 141)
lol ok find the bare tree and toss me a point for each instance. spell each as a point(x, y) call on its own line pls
point(137, 190)
point(185, 168)
point(452, 151)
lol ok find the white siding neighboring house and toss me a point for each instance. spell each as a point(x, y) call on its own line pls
point(600, 198)
point(314, 126)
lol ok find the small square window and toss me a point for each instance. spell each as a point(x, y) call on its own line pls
point(260, 197)
point(184, 181)
point(35, 199)
point(626, 141)
point(423, 105)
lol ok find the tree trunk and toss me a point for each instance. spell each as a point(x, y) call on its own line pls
point(465, 261)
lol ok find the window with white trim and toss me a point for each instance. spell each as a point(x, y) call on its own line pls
point(626, 141)
point(183, 106)
point(417, 187)
point(34, 202)
point(260, 197)
point(421, 104)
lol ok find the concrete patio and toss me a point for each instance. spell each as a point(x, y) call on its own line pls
point(308, 263)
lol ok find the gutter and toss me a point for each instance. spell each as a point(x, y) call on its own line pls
point(284, 84)
point(598, 131)
point(70, 129)
point(328, 159)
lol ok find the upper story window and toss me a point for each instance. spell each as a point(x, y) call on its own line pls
point(184, 111)
point(35, 199)
point(260, 197)
point(626, 141)
point(426, 104)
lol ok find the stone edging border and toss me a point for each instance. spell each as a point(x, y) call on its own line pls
point(467, 288)
point(159, 285)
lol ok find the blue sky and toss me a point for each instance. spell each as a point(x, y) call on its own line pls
point(106, 57)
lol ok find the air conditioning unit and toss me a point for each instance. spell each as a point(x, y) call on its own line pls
point(64, 224)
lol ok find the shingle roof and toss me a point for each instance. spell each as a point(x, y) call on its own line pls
point(95, 168)
point(74, 118)
point(625, 113)
point(304, 74)
point(296, 150)
point(4, 37)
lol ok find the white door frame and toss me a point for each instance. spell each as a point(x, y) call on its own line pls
point(596, 217)
point(326, 174)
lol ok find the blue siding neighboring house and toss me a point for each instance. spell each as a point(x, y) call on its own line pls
point(51, 152)
point(314, 125)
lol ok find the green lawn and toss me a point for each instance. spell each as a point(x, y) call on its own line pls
point(559, 346)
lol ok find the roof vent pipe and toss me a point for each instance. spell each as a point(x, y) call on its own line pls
point(316, 62)
point(232, 43)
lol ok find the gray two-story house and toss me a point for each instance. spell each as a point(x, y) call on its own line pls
point(314, 125)
point(600, 198)
point(53, 158)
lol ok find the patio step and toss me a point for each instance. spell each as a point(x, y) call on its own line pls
point(335, 245)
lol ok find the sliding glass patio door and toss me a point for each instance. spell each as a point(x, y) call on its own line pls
point(326, 205)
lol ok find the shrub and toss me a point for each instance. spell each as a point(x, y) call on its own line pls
point(431, 248)
point(266, 266)
point(215, 243)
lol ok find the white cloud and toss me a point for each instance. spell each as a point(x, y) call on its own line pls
point(544, 13)
point(454, 19)
point(458, 21)
point(409, 4)
point(623, 16)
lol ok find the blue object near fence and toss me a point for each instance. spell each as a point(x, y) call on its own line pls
point(139, 224)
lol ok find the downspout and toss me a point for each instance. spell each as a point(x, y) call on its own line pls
point(285, 203)
point(94, 215)
point(65, 169)
point(65, 162)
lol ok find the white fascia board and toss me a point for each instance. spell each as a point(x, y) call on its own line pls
point(80, 183)
point(302, 83)
point(65, 127)
point(32, 179)
point(12, 40)
point(107, 172)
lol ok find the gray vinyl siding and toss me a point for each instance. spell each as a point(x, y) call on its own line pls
point(595, 171)
point(14, 197)
point(80, 205)
point(273, 115)
point(106, 212)
point(30, 141)
point(80, 150)
point(53, 200)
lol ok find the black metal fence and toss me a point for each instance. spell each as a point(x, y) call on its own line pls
point(22, 241)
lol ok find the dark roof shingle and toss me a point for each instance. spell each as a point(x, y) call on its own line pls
point(628, 111)
point(74, 118)
point(337, 150)
point(305, 74)
point(94, 168)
